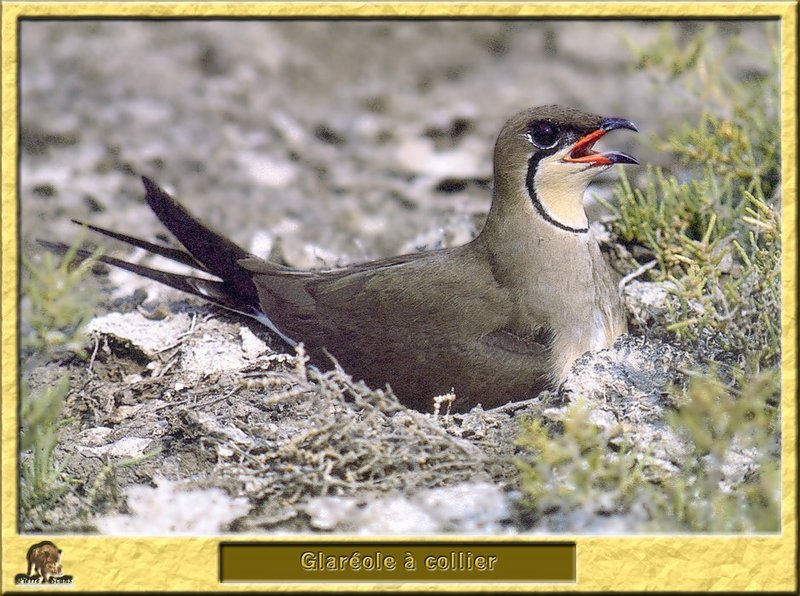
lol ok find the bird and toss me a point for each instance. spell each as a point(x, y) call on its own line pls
point(495, 320)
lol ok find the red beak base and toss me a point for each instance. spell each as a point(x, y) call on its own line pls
point(582, 152)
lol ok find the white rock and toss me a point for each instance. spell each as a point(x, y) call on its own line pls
point(252, 345)
point(126, 447)
point(328, 512)
point(148, 336)
point(395, 515)
point(268, 171)
point(419, 155)
point(472, 508)
point(168, 510)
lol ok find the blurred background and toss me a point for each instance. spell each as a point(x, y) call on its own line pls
point(323, 142)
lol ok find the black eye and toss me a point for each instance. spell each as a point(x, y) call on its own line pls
point(543, 134)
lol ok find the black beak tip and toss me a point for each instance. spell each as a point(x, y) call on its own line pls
point(615, 123)
point(618, 157)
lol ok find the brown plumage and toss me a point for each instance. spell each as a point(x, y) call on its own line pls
point(497, 319)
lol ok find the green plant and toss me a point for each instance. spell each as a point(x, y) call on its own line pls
point(664, 56)
point(55, 308)
point(56, 304)
point(580, 467)
point(714, 229)
point(719, 423)
point(719, 250)
point(40, 420)
point(577, 466)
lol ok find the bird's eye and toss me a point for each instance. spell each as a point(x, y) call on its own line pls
point(543, 134)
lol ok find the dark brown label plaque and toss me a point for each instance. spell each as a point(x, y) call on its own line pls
point(397, 562)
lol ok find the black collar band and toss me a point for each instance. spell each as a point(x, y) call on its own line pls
point(532, 163)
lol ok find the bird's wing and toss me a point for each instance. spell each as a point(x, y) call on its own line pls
point(420, 291)
point(311, 289)
point(534, 343)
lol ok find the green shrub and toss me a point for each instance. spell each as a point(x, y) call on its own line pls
point(718, 422)
point(579, 468)
point(712, 231)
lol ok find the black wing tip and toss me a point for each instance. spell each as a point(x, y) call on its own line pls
point(155, 196)
point(152, 189)
point(149, 185)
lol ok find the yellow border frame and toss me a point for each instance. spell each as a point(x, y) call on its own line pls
point(704, 563)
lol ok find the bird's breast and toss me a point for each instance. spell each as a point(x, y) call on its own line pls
point(565, 295)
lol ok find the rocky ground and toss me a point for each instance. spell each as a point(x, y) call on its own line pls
point(315, 144)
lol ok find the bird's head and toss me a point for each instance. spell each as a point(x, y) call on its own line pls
point(547, 154)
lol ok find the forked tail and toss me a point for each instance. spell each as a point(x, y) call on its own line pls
point(206, 251)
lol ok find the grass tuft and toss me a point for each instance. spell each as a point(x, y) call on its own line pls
point(725, 427)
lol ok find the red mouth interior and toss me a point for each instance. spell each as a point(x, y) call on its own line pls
point(582, 150)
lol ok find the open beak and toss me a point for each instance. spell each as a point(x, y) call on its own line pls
point(582, 152)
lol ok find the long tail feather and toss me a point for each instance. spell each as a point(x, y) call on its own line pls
point(181, 256)
point(216, 292)
point(205, 251)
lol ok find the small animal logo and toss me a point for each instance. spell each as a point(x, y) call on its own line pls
point(45, 559)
